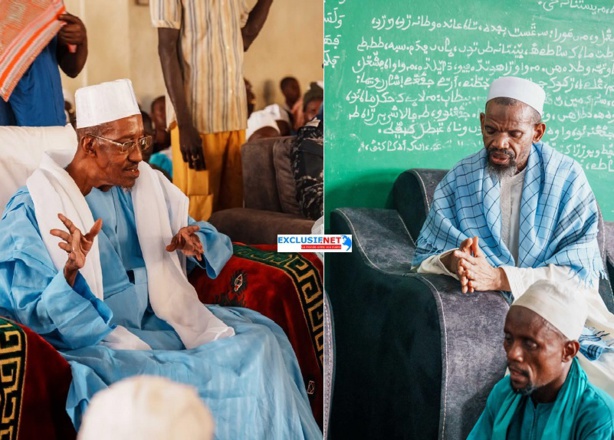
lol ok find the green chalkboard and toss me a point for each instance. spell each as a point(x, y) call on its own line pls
point(405, 82)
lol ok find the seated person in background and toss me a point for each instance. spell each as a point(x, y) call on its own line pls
point(308, 169)
point(112, 294)
point(517, 212)
point(261, 124)
point(37, 100)
point(269, 122)
point(158, 161)
point(293, 105)
point(281, 118)
point(250, 97)
point(312, 101)
point(69, 108)
point(149, 131)
point(147, 407)
point(162, 137)
point(547, 394)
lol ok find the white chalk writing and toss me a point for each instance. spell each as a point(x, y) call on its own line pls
point(417, 82)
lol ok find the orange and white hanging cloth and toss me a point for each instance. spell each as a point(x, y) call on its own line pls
point(27, 27)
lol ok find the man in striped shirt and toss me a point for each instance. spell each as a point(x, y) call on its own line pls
point(201, 45)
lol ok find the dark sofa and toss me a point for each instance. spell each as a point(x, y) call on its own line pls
point(414, 357)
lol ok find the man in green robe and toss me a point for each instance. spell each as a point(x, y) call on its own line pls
point(547, 394)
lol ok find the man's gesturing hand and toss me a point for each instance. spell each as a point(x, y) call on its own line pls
point(187, 242)
point(76, 245)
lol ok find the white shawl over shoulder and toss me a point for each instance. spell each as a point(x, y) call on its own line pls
point(161, 209)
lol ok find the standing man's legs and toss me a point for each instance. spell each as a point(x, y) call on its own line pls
point(220, 186)
point(230, 193)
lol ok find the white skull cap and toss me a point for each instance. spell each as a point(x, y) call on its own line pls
point(105, 102)
point(562, 307)
point(277, 113)
point(148, 408)
point(518, 88)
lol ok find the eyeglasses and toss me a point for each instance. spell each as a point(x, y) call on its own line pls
point(128, 147)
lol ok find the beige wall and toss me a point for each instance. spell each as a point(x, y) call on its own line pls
point(123, 44)
point(290, 44)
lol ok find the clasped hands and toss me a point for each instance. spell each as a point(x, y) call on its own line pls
point(473, 269)
point(77, 245)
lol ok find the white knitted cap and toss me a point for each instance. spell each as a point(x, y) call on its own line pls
point(147, 408)
point(518, 88)
point(564, 308)
point(105, 102)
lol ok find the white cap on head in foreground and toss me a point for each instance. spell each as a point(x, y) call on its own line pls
point(565, 309)
point(147, 408)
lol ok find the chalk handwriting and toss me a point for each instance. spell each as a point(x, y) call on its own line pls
point(417, 82)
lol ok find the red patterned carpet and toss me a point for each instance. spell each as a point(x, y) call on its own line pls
point(35, 380)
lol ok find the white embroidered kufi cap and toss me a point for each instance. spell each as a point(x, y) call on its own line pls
point(518, 88)
point(147, 408)
point(105, 102)
point(564, 308)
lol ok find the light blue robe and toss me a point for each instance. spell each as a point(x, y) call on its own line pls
point(251, 381)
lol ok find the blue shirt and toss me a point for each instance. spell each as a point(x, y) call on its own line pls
point(37, 100)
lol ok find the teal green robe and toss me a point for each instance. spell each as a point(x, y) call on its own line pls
point(580, 412)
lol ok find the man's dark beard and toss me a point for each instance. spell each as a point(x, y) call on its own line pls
point(500, 171)
point(526, 391)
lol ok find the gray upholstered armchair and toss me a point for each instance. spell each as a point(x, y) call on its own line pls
point(413, 357)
